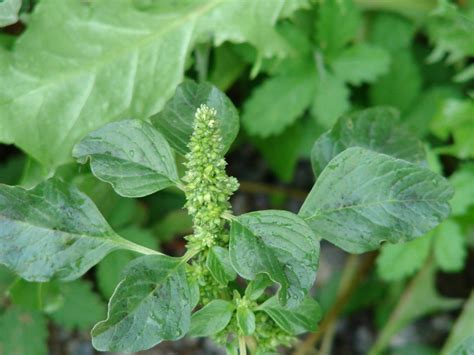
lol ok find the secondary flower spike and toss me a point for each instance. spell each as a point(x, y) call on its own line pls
point(208, 188)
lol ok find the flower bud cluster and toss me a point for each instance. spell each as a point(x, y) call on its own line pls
point(208, 188)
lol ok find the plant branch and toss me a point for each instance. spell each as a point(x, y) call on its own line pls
point(242, 346)
point(354, 271)
point(258, 188)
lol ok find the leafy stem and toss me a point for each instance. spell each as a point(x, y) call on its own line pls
point(242, 345)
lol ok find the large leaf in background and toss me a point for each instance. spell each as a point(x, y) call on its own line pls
point(463, 189)
point(361, 63)
point(279, 101)
point(23, 332)
point(277, 243)
point(81, 309)
point(130, 155)
point(9, 12)
point(151, 304)
point(53, 231)
point(376, 129)
point(101, 67)
point(176, 120)
point(363, 198)
point(303, 318)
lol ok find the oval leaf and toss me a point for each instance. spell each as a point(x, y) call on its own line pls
point(211, 319)
point(277, 243)
point(151, 304)
point(363, 198)
point(176, 120)
point(218, 263)
point(246, 321)
point(130, 155)
point(376, 129)
point(301, 319)
point(53, 231)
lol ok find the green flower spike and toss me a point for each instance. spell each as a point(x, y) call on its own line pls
point(208, 188)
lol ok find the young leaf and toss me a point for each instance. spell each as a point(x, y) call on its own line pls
point(151, 304)
point(53, 231)
point(246, 320)
point(257, 286)
point(130, 155)
point(363, 198)
point(273, 105)
point(218, 263)
point(450, 248)
point(23, 332)
point(279, 244)
point(176, 120)
point(463, 189)
point(376, 129)
point(301, 319)
point(361, 63)
point(81, 309)
point(211, 319)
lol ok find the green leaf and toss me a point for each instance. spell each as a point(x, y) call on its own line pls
point(218, 263)
point(257, 286)
point(450, 249)
point(151, 304)
point(110, 268)
point(363, 198)
point(301, 319)
point(337, 25)
point(463, 189)
point(211, 319)
point(377, 129)
point(398, 261)
point(53, 231)
point(9, 12)
point(462, 329)
point(392, 31)
point(466, 347)
point(278, 102)
point(130, 155)
point(23, 332)
point(45, 296)
point(246, 320)
point(361, 63)
point(331, 99)
point(279, 244)
point(401, 85)
point(82, 307)
point(176, 120)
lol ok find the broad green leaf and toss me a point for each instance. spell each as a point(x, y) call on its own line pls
point(211, 319)
point(277, 243)
point(337, 24)
point(363, 198)
point(466, 347)
point(176, 120)
point(53, 231)
point(450, 249)
point(218, 263)
point(377, 129)
point(331, 99)
point(278, 102)
point(81, 309)
point(401, 85)
point(9, 12)
point(246, 320)
point(45, 296)
point(115, 68)
point(301, 319)
point(462, 330)
point(23, 332)
point(398, 261)
point(151, 304)
point(362, 63)
point(109, 270)
point(391, 31)
point(130, 155)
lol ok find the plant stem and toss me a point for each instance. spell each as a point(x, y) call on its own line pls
point(242, 346)
point(258, 188)
point(354, 271)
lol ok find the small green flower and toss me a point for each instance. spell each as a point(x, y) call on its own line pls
point(208, 188)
